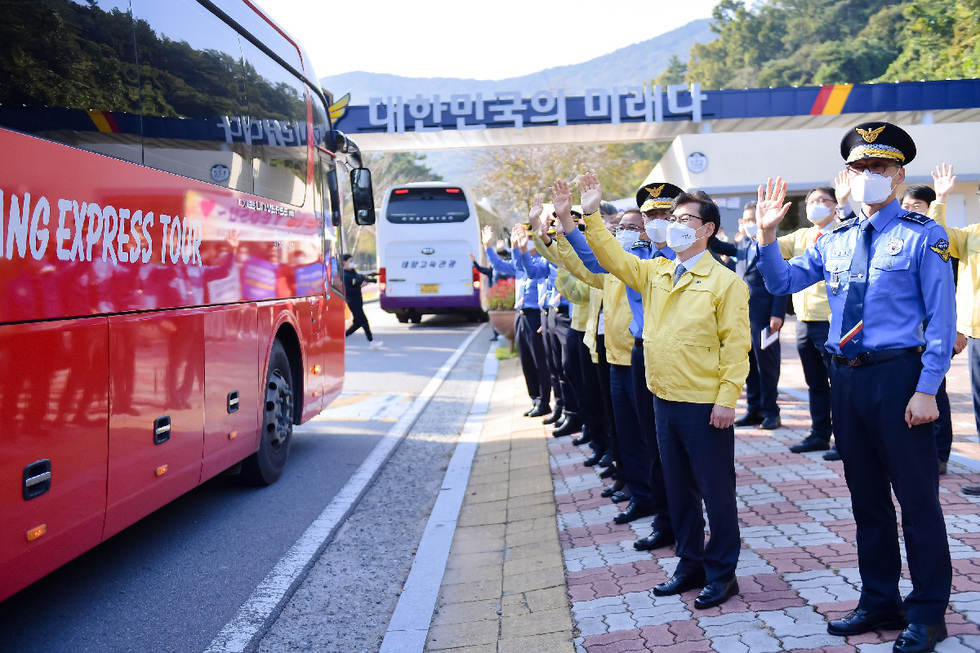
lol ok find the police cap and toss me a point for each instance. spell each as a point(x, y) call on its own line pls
point(877, 140)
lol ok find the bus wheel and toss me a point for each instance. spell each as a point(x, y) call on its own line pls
point(415, 318)
point(265, 465)
point(402, 318)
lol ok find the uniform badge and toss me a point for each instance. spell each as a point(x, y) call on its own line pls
point(941, 248)
point(895, 245)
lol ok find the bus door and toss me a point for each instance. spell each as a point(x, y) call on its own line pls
point(54, 443)
point(156, 392)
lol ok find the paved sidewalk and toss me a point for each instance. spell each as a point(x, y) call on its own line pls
point(513, 584)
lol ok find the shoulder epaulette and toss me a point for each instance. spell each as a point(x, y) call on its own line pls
point(912, 216)
point(846, 224)
point(642, 244)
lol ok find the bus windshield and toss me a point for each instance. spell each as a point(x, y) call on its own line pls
point(427, 206)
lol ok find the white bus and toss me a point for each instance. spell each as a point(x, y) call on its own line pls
point(425, 235)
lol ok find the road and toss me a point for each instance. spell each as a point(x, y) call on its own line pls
point(176, 579)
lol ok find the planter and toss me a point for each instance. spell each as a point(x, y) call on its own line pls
point(503, 322)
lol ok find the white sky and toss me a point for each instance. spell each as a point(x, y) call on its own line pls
point(485, 40)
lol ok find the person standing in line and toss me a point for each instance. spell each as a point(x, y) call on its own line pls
point(766, 311)
point(892, 332)
point(813, 312)
point(530, 348)
point(696, 346)
point(353, 282)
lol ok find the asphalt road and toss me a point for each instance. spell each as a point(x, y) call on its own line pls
point(172, 581)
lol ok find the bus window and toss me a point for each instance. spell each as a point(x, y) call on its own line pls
point(68, 74)
point(277, 127)
point(193, 93)
point(427, 206)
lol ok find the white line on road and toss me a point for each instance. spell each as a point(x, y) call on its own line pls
point(409, 625)
point(275, 589)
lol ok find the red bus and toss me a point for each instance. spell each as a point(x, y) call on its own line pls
point(171, 298)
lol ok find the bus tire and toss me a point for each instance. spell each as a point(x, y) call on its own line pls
point(264, 467)
point(415, 317)
point(402, 318)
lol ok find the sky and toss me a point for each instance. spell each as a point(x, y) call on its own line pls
point(486, 40)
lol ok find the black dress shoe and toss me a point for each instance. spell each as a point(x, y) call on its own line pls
point(607, 460)
point(678, 584)
point(568, 426)
point(716, 593)
point(583, 439)
point(971, 490)
point(633, 512)
point(749, 419)
point(560, 421)
point(527, 413)
point(539, 411)
point(553, 417)
point(810, 443)
point(608, 472)
point(861, 621)
point(610, 490)
point(655, 540)
point(832, 454)
point(619, 497)
point(918, 638)
point(593, 459)
point(771, 423)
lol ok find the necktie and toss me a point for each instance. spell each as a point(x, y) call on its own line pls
point(852, 321)
point(678, 272)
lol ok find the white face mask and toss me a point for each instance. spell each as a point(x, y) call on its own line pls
point(750, 229)
point(627, 238)
point(657, 230)
point(680, 236)
point(817, 212)
point(869, 188)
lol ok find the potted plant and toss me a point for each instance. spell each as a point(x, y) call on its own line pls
point(500, 307)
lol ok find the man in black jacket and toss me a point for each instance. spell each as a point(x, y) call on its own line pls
point(765, 311)
point(355, 302)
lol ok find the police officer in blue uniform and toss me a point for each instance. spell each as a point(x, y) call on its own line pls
point(890, 287)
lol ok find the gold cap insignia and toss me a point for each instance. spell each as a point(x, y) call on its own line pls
point(655, 190)
point(870, 135)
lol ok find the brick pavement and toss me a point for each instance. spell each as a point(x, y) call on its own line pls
point(797, 568)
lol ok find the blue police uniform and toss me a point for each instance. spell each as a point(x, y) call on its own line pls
point(555, 321)
point(530, 345)
point(906, 342)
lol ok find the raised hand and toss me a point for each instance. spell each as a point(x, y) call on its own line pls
point(771, 209)
point(943, 180)
point(487, 235)
point(534, 215)
point(591, 193)
point(522, 237)
point(842, 188)
point(513, 236)
point(561, 196)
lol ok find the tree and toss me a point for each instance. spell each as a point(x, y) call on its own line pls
point(940, 40)
point(674, 74)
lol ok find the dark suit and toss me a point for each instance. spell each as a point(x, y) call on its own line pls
point(761, 384)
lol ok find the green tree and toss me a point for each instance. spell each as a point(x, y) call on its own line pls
point(940, 40)
point(674, 74)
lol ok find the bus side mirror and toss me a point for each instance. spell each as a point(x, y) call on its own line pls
point(362, 194)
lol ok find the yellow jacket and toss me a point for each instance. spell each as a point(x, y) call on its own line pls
point(964, 244)
point(575, 291)
point(811, 303)
point(565, 251)
point(615, 305)
point(696, 336)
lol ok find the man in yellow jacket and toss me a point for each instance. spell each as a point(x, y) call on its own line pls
point(696, 345)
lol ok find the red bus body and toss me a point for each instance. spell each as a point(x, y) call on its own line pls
point(139, 309)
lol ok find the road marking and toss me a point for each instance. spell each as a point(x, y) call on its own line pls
point(272, 594)
point(366, 406)
point(409, 625)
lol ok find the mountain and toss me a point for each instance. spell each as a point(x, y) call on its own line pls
point(631, 65)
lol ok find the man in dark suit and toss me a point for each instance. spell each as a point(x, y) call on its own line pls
point(766, 311)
